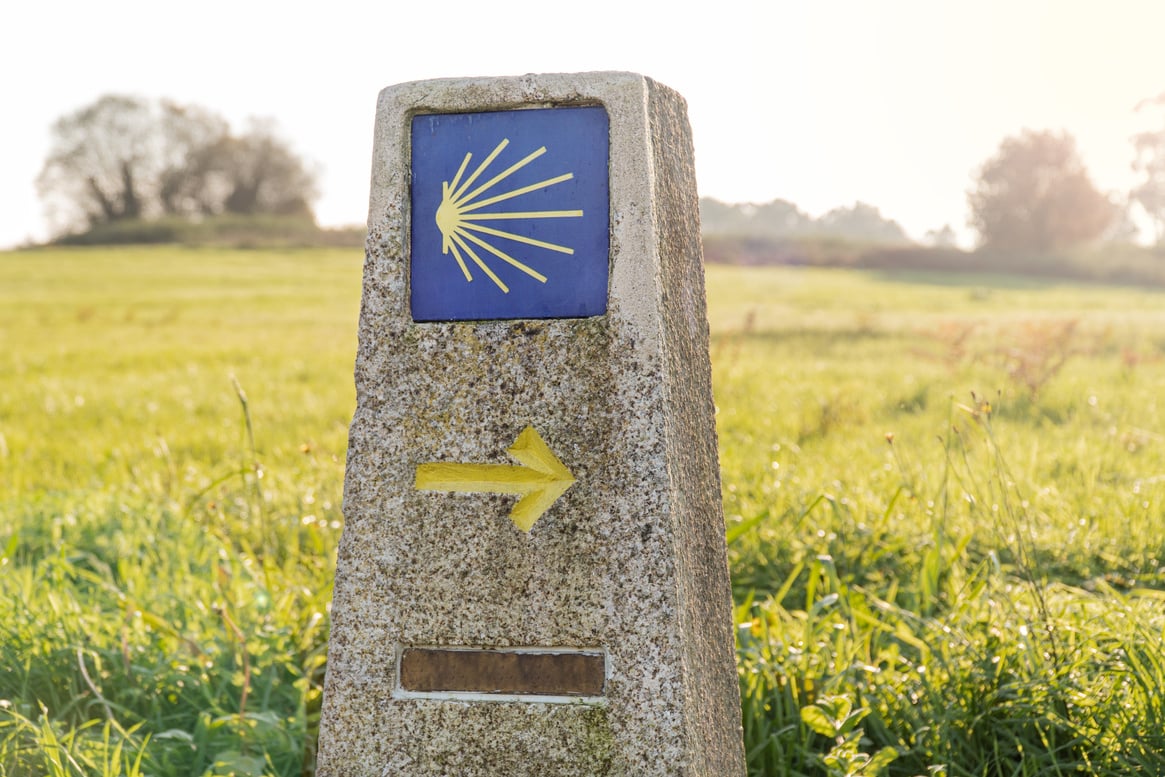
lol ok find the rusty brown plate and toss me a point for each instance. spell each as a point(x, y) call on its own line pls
point(536, 673)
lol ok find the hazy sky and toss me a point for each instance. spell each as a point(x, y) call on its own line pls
point(823, 103)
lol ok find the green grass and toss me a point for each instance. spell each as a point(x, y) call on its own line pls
point(164, 579)
point(945, 499)
point(945, 506)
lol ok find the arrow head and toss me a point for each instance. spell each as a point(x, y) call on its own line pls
point(532, 450)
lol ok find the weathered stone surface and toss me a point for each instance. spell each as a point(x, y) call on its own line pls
point(629, 560)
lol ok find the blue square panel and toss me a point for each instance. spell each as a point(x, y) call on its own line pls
point(509, 214)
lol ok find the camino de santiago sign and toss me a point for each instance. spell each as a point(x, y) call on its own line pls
point(532, 578)
point(517, 203)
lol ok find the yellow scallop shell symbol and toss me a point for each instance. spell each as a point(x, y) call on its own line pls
point(458, 216)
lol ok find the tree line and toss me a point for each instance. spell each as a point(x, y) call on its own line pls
point(782, 219)
point(1033, 196)
point(127, 158)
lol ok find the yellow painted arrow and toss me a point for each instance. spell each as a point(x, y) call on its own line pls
point(541, 479)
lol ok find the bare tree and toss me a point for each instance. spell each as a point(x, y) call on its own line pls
point(103, 162)
point(190, 181)
point(128, 158)
point(1149, 148)
point(1035, 195)
point(264, 175)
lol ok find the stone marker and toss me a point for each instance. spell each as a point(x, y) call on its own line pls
point(532, 578)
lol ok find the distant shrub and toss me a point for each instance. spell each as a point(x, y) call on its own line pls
point(800, 251)
point(128, 232)
point(1109, 263)
point(227, 231)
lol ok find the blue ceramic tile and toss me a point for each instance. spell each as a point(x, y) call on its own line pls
point(509, 214)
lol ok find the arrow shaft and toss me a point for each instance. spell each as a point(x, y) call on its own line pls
point(480, 478)
point(540, 479)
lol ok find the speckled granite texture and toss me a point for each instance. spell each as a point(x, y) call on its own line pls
point(631, 559)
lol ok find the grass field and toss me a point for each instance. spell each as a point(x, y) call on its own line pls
point(945, 500)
